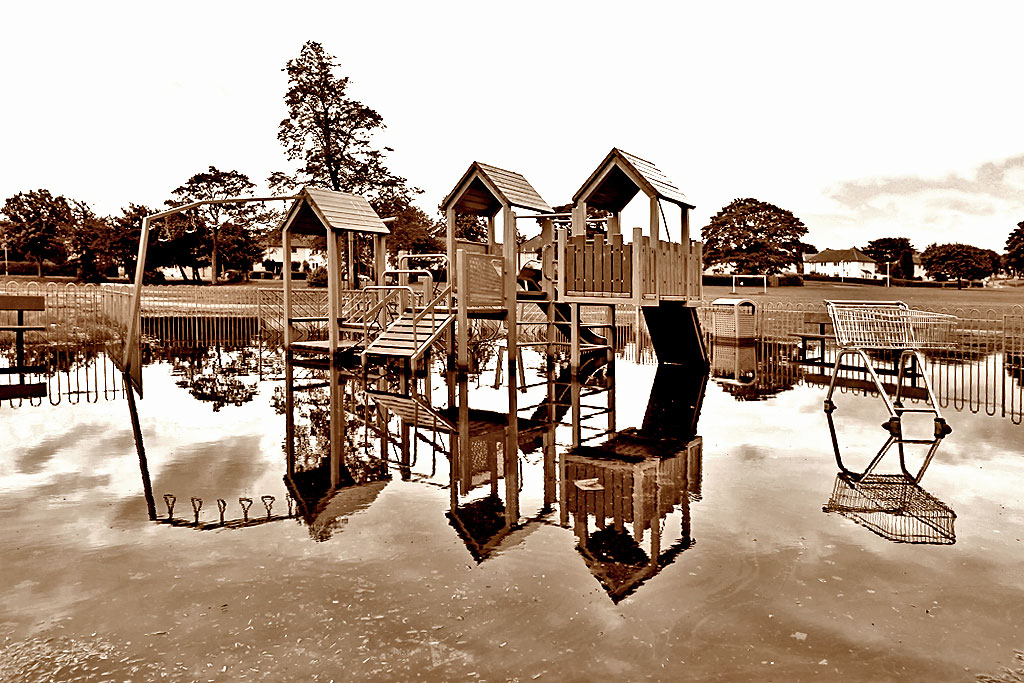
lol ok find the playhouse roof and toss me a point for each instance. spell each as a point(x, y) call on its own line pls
point(620, 176)
point(316, 209)
point(483, 190)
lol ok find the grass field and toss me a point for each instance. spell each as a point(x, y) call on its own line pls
point(817, 292)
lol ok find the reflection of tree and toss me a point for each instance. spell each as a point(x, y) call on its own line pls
point(213, 374)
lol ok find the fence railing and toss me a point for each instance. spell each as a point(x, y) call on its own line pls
point(983, 371)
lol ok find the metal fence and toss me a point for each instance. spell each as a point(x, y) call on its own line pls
point(982, 371)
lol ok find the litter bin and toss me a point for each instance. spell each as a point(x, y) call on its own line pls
point(734, 319)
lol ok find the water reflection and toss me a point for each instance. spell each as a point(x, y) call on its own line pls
point(893, 507)
point(621, 492)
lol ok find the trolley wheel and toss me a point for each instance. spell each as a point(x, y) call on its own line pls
point(829, 406)
point(941, 428)
point(892, 425)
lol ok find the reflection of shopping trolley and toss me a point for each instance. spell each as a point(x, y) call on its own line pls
point(891, 326)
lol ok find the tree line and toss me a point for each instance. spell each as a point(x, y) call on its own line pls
point(755, 237)
point(326, 134)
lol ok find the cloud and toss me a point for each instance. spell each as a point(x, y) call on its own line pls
point(978, 206)
point(992, 180)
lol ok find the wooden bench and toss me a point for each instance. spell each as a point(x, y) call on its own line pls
point(21, 303)
point(821, 323)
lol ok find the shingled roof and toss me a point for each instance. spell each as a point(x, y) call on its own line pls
point(316, 209)
point(620, 176)
point(851, 255)
point(484, 189)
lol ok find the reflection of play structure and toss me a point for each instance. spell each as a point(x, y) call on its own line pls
point(892, 327)
point(894, 507)
point(620, 493)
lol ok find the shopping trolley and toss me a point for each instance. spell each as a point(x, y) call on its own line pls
point(890, 326)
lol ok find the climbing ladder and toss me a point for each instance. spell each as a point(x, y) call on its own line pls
point(890, 326)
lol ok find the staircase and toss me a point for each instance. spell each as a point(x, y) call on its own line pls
point(414, 332)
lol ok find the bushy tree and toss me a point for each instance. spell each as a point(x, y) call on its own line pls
point(895, 251)
point(211, 219)
point(753, 236)
point(37, 223)
point(959, 262)
point(1015, 250)
point(90, 240)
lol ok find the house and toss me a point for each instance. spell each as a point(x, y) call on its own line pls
point(305, 252)
point(850, 262)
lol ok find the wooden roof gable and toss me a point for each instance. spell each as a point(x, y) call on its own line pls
point(620, 176)
point(315, 210)
point(484, 190)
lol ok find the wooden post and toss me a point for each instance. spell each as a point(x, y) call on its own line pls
point(450, 236)
point(574, 338)
point(638, 267)
point(289, 413)
point(464, 458)
point(286, 270)
point(337, 421)
point(577, 410)
point(333, 275)
point(655, 243)
point(547, 238)
point(561, 265)
point(462, 319)
point(510, 249)
point(350, 261)
point(491, 245)
point(579, 219)
point(614, 224)
point(380, 256)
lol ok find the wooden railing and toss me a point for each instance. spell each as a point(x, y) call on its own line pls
point(484, 282)
point(599, 268)
point(594, 267)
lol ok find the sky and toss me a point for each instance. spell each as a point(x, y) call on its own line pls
point(866, 120)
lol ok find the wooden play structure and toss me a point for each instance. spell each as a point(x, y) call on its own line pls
point(579, 259)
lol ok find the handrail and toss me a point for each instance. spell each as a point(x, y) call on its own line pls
point(391, 290)
point(432, 306)
point(406, 257)
point(428, 288)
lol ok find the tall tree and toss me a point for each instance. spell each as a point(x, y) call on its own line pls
point(892, 250)
point(1015, 250)
point(38, 223)
point(211, 218)
point(959, 262)
point(330, 134)
point(753, 236)
point(90, 240)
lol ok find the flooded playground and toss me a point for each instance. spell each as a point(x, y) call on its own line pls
point(540, 457)
point(643, 522)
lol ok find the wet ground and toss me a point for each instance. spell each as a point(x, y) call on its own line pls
point(752, 581)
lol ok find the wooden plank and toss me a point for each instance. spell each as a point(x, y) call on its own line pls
point(22, 302)
point(22, 328)
point(13, 391)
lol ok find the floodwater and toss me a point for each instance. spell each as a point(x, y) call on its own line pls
point(712, 558)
